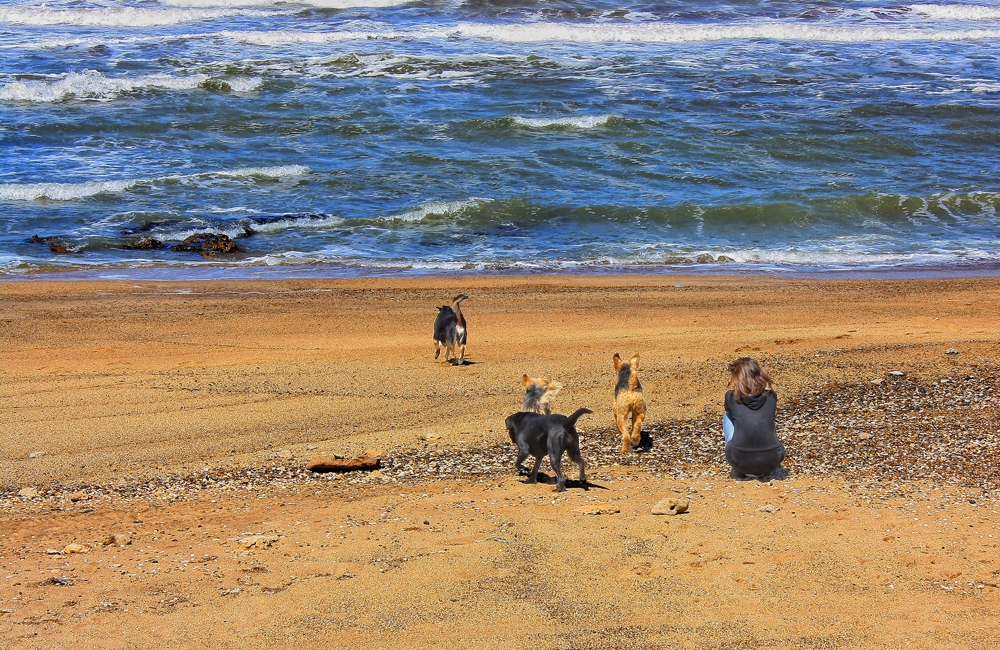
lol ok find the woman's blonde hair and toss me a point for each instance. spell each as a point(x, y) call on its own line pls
point(748, 378)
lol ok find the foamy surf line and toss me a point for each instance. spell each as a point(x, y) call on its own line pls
point(562, 122)
point(120, 17)
point(72, 191)
point(621, 33)
point(320, 4)
point(90, 84)
point(956, 11)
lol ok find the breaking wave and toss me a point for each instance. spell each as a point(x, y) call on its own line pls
point(563, 122)
point(957, 12)
point(116, 17)
point(72, 191)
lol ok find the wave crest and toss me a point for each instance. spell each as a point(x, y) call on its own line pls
point(116, 16)
point(72, 191)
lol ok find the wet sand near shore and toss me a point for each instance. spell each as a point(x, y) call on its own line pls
point(177, 417)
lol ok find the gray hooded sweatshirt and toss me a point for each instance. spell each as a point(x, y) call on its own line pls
point(754, 448)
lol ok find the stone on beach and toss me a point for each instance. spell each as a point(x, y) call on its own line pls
point(144, 244)
point(75, 548)
point(334, 464)
point(599, 509)
point(208, 244)
point(116, 539)
point(28, 492)
point(671, 506)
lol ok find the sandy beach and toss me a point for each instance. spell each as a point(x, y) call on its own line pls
point(163, 428)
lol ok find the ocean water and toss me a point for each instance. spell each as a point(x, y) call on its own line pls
point(383, 136)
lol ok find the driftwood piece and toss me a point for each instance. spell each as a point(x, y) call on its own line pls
point(332, 464)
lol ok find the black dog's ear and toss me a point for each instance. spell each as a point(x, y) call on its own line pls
point(618, 362)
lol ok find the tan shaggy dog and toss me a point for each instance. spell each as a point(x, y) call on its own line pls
point(629, 401)
point(538, 394)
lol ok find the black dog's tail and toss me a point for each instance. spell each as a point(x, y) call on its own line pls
point(571, 419)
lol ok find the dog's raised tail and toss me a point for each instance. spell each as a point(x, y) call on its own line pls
point(571, 419)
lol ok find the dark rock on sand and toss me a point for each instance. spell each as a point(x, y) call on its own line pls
point(208, 244)
point(56, 244)
point(144, 244)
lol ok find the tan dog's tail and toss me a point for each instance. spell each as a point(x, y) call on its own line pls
point(633, 378)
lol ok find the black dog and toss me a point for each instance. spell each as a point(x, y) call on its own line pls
point(541, 435)
point(450, 331)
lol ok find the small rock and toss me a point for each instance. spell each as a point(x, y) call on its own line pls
point(259, 541)
point(310, 447)
point(28, 493)
point(375, 453)
point(116, 539)
point(36, 454)
point(334, 464)
point(679, 285)
point(53, 551)
point(896, 373)
point(79, 496)
point(208, 244)
point(144, 244)
point(951, 351)
point(75, 548)
point(284, 453)
point(864, 436)
point(376, 474)
point(671, 506)
point(768, 508)
point(598, 509)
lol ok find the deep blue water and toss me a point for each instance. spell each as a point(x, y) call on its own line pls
point(503, 135)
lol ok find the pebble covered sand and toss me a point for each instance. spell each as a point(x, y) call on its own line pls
point(153, 488)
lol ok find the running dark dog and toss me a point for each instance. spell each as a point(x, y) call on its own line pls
point(546, 435)
point(450, 331)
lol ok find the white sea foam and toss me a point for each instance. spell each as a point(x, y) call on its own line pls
point(675, 33)
point(957, 11)
point(586, 122)
point(620, 33)
point(117, 16)
point(322, 4)
point(94, 85)
point(71, 191)
point(297, 223)
point(425, 210)
point(244, 84)
point(62, 191)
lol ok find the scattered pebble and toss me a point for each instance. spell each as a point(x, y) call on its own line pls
point(951, 351)
point(75, 548)
point(28, 493)
point(36, 454)
point(768, 508)
point(671, 506)
point(598, 509)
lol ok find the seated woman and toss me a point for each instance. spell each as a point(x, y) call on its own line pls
point(752, 445)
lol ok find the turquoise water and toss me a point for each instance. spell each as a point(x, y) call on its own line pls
point(501, 136)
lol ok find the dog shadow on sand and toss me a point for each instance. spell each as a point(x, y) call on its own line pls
point(645, 443)
point(545, 479)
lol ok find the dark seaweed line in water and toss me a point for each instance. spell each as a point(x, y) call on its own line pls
point(889, 439)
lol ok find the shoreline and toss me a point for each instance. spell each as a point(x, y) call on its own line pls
point(224, 272)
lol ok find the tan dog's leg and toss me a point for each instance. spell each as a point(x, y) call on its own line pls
point(621, 419)
point(637, 417)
